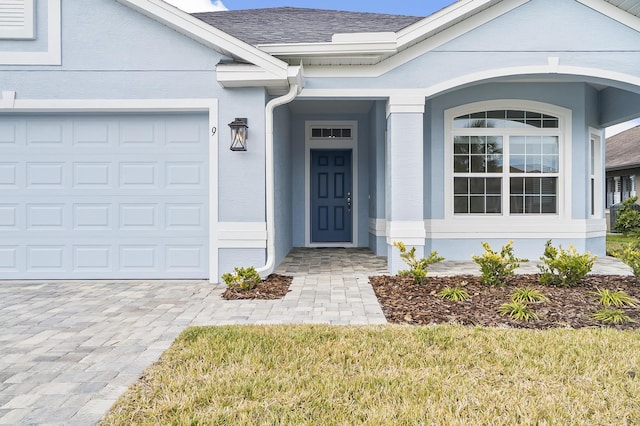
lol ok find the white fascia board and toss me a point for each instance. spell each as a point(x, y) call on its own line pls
point(244, 75)
point(206, 34)
point(330, 49)
point(613, 12)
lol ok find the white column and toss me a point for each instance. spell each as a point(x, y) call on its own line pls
point(617, 190)
point(405, 177)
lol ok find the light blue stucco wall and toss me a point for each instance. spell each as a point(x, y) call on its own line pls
point(283, 184)
point(377, 169)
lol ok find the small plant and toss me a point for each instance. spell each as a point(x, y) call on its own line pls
point(631, 256)
point(417, 267)
point(528, 295)
point(497, 267)
point(614, 298)
point(564, 268)
point(242, 278)
point(517, 311)
point(455, 294)
point(612, 315)
point(628, 216)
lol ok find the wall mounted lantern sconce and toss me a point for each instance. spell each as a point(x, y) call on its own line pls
point(239, 134)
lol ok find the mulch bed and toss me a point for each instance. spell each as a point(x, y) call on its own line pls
point(274, 287)
point(405, 302)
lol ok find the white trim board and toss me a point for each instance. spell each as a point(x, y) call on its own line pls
point(8, 103)
point(242, 235)
point(330, 144)
point(53, 54)
point(515, 227)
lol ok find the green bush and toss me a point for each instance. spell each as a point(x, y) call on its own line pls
point(497, 267)
point(631, 256)
point(627, 217)
point(564, 268)
point(242, 278)
point(417, 267)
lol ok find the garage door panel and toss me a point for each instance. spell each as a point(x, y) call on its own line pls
point(120, 196)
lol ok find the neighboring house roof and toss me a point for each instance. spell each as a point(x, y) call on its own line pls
point(623, 150)
point(298, 25)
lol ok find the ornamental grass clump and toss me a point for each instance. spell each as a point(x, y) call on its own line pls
point(455, 294)
point(614, 298)
point(612, 316)
point(528, 295)
point(518, 311)
point(417, 267)
point(497, 267)
point(242, 278)
point(564, 268)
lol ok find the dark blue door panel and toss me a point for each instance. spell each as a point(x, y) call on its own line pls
point(331, 196)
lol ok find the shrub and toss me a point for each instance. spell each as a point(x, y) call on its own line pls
point(455, 294)
point(627, 217)
point(242, 278)
point(611, 315)
point(614, 298)
point(497, 267)
point(417, 267)
point(631, 256)
point(518, 311)
point(564, 268)
point(528, 294)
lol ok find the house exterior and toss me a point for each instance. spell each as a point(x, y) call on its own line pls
point(622, 165)
point(481, 122)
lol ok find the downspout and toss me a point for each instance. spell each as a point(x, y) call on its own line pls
point(295, 85)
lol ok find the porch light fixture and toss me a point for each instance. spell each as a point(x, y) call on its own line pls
point(239, 134)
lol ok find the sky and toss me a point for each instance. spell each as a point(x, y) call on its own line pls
point(397, 7)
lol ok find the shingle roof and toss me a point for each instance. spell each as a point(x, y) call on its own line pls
point(298, 25)
point(623, 149)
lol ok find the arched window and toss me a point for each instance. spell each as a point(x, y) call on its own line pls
point(505, 162)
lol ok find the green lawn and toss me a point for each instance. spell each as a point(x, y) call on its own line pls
point(616, 242)
point(389, 375)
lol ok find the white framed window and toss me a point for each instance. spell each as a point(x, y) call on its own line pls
point(17, 19)
point(505, 158)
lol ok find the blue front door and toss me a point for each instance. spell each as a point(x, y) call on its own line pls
point(331, 196)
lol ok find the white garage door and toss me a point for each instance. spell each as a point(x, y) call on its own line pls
point(104, 196)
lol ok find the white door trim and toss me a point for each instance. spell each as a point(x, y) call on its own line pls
point(9, 103)
point(329, 143)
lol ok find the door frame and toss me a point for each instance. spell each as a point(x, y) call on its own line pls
point(331, 143)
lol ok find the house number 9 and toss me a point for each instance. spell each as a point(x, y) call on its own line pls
point(213, 131)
